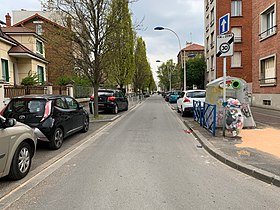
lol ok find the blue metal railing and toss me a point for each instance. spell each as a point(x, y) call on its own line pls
point(205, 115)
point(198, 112)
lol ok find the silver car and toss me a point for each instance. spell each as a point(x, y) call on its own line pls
point(17, 148)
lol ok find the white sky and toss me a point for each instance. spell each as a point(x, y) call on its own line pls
point(185, 17)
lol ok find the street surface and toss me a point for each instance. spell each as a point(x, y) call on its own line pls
point(146, 160)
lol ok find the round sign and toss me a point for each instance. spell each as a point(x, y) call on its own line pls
point(224, 47)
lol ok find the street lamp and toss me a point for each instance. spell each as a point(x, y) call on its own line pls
point(158, 61)
point(160, 28)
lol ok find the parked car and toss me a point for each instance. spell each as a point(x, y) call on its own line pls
point(53, 117)
point(166, 98)
point(174, 95)
point(111, 100)
point(17, 148)
point(185, 102)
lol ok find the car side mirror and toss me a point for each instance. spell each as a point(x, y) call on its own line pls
point(10, 122)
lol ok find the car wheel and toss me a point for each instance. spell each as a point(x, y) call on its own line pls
point(183, 112)
point(116, 109)
point(57, 139)
point(126, 107)
point(21, 162)
point(86, 125)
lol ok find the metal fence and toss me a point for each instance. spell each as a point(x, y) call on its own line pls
point(205, 115)
point(82, 91)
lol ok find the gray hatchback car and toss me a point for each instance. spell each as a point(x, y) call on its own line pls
point(17, 148)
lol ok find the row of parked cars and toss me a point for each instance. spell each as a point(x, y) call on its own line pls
point(49, 118)
point(27, 119)
point(184, 99)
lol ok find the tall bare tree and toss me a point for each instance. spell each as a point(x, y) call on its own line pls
point(88, 27)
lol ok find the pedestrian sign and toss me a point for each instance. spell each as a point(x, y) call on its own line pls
point(224, 23)
point(225, 45)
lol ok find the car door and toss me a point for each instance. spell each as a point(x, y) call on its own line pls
point(180, 100)
point(123, 100)
point(62, 114)
point(119, 100)
point(75, 113)
point(5, 138)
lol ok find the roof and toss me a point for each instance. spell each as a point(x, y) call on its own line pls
point(194, 47)
point(36, 16)
point(17, 47)
point(20, 30)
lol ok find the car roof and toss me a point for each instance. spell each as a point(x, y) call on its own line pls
point(41, 96)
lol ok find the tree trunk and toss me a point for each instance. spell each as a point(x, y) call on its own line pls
point(95, 92)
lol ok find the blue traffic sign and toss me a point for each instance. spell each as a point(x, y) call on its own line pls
point(224, 23)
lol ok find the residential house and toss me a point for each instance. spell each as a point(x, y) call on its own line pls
point(58, 50)
point(240, 64)
point(266, 54)
point(21, 51)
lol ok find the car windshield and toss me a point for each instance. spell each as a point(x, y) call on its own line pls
point(197, 94)
point(26, 105)
point(105, 93)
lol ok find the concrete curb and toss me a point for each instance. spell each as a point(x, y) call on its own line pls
point(257, 173)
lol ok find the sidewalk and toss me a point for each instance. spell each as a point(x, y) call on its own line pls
point(255, 152)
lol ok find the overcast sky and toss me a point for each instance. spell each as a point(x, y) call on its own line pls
point(185, 17)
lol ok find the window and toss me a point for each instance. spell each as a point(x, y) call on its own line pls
point(39, 29)
point(268, 22)
point(207, 63)
point(237, 34)
point(60, 103)
point(268, 71)
point(212, 40)
point(236, 8)
point(40, 72)
point(39, 47)
point(236, 60)
point(212, 17)
point(72, 104)
point(212, 63)
point(5, 70)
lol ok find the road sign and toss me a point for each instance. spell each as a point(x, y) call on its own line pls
point(224, 23)
point(225, 45)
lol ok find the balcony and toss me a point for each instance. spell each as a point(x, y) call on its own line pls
point(267, 33)
point(268, 81)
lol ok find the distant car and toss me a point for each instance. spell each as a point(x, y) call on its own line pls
point(166, 98)
point(185, 102)
point(53, 117)
point(111, 100)
point(174, 95)
point(17, 148)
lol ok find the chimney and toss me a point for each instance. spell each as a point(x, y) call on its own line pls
point(8, 20)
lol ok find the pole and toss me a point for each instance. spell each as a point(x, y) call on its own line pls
point(224, 95)
point(185, 72)
point(170, 80)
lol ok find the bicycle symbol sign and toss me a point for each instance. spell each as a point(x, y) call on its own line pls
point(224, 47)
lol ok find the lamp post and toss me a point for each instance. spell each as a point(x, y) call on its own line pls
point(169, 71)
point(183, 66)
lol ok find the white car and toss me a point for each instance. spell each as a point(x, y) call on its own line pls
point(17, 147)
point(185, 102)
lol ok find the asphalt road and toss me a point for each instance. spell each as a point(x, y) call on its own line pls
point(145, 160)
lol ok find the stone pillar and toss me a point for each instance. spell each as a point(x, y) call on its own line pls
point(2, 95)
point(70, 90)
point(49, 89)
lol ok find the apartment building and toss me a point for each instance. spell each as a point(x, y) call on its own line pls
point(240, 64)
point(266, 53)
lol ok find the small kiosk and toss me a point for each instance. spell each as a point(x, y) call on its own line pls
point(236, 88)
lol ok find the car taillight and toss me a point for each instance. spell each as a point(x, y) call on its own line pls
point(2, 111)
point(91, 98)
point(186, 100)
point(47, 111)
point(111, 98)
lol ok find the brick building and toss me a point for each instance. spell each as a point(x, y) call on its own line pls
point(240, 64)
point(266, 53)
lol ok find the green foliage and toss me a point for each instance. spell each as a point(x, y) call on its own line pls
point(196, 68)
point(64, 80)
point(166, 72)
point(30, 80)
point(143, 72)
point(120, 58)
